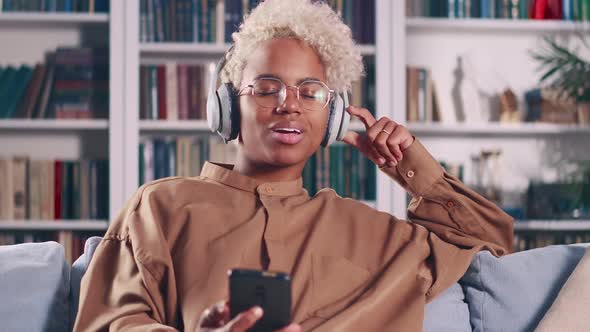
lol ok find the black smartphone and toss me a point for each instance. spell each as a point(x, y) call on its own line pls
point(269, 290)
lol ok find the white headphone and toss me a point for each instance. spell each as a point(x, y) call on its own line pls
point(223, 115)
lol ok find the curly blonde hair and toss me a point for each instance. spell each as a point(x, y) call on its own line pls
point(313, 22)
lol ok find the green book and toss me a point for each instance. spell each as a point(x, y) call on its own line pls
point(585, 10)
point(17, 91)
point(8, 75)
point(141, 164)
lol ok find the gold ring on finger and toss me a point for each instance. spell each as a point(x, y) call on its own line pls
point(385, 131)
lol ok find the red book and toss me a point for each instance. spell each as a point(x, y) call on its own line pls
point(183, 109)
point(547, 10)
point(57, 189)
point(554, 9)
point(162, 93)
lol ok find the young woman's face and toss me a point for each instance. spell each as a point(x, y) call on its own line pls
point(288, 134)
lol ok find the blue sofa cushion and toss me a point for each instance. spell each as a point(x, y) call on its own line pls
point(448, 312)
point(34, 287)
point(78, 269)
point(512, 293)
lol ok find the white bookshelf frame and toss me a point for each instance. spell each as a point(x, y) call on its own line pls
point(495, 25)
point(53, 124)
point(497, 129)
point(53, 225)
point(552, 225)
point(52, 20)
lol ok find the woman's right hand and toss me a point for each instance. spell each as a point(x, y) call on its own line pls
point(216, 319)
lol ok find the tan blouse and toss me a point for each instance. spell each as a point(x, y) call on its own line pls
point(165, 258)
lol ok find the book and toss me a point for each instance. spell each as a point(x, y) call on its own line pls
point(27, 105)
point(20, 192)
point(6, 193)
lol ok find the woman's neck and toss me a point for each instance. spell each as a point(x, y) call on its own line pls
point(266, 172)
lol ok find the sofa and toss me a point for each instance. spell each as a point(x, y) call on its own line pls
point(39, 290)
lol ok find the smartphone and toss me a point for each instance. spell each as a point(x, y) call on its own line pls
point(269, 290)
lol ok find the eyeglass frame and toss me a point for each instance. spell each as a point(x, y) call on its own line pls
point(284, 88)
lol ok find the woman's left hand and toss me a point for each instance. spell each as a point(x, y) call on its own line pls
point(383, 142)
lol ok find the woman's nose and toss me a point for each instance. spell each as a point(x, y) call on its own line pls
point(290, 104)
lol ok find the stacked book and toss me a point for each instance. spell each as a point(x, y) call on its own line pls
point(422, 98)
point(215, 20)
point(161, 157)
point(72, 83)
point(67, 6)
point(342, 168)
point(53, 189)
point(173, 91)
point(569, 10)
point(180, 20)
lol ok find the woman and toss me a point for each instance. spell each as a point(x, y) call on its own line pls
point(163, 261)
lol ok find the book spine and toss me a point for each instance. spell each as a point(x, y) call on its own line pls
point(6, 189)
point(20, 185)
point(58, 173)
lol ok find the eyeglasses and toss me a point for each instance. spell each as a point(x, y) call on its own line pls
point(271, 92)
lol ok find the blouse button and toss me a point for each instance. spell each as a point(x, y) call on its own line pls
point(268, 190)
point(410, 174)
point(450, 204)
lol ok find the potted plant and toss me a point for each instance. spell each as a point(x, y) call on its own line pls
point(568, 72)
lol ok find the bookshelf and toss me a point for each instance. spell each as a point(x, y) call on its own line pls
point(29, 37)
point(142, 53)
point(400, 41)
point(495, 51)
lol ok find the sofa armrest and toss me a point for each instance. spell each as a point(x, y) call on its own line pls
point(78, 269)
point(35, 286)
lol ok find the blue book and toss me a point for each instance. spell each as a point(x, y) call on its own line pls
point(7, 5)
point(485, 9)
point(160, 159)
point(68, 6)
point(568, 12)
point(101, 6)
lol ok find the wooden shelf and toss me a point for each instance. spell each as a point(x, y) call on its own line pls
point(552, 225)
point(496, 129)
point(53, 225)
point(169, 51)
point(48, 20)
point(52, 125)
point(470, 25)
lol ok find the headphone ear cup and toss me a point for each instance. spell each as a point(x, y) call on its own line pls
point(335, 117)
point(229, 115)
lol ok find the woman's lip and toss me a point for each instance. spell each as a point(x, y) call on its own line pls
point(287, 138)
